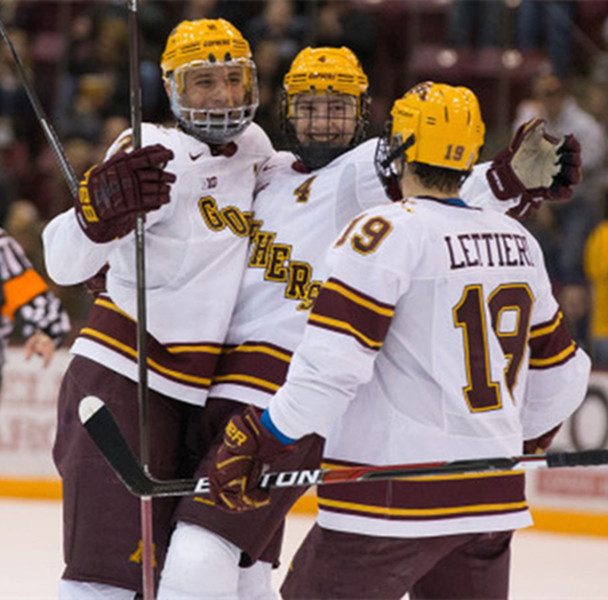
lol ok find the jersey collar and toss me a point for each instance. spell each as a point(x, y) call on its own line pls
point(451, 201)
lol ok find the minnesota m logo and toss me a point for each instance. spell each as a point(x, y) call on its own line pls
point(136, 557)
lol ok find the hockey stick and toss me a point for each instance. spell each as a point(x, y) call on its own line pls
point(140, 260)
point(102, 428)
point(147, 533)
point(49, 132)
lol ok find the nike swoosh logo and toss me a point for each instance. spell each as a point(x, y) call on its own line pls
point(196, 156)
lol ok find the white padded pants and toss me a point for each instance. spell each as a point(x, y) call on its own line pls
point(201, 565)
point(255, 582)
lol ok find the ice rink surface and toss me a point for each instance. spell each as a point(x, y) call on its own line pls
point(545, 566)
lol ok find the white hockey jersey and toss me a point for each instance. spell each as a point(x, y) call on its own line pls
point(297, 216)
point(196, 247)
point(436, 337)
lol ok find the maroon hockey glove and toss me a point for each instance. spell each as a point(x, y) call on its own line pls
point(112, 192)
point(238, 464)
point(570, 172)
point(536, 166)
point(541, 443)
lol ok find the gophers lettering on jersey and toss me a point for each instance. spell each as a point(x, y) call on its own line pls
point(229, 217)
point(296, 218)
point(275, 259)
point(488, 250)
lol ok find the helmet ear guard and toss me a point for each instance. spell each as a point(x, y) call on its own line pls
point(390, 151)
point(212, 44)
point(329, 72)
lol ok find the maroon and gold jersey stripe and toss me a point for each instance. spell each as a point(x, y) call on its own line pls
point(257, 365)
point(188, 364)
point(343, 309)
point(429, 497)
point(551, 343)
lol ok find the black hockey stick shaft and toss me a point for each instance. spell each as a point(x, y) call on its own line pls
point(141, 328)
point(49, 132)
point(140, 260)
point(102, 428)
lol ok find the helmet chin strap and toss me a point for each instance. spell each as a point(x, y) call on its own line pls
point(398, 151)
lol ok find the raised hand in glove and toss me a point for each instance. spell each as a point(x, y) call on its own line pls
point(113, 192)
point(542, 442)
point(234, 474)
point(570, 171)
point(535, 166)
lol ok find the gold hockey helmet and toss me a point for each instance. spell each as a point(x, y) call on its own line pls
point(205, 40)
point(446, 124)
point(434, 124)
point(324, 71)
point(212, 44)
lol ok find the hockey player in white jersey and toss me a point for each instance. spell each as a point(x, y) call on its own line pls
point(436, 337)
point(195, 180)
point(303, 200)
point(296, 215)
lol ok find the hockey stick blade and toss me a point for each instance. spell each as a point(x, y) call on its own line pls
point(106, 435)
point(102, 427)
point(100, 424)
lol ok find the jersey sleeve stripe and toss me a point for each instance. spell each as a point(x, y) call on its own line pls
point(345, 310)
point(548, 327)
point(343, 327)
point(20, 290)
point(552, 361)
point(359, 298)
point(551, 344)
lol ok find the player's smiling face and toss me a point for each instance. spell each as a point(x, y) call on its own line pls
point(328, 119)
point(214, 87)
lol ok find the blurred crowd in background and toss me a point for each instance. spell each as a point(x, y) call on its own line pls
point(522, 58)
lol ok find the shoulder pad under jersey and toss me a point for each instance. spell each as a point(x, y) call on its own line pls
point(254, 141)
